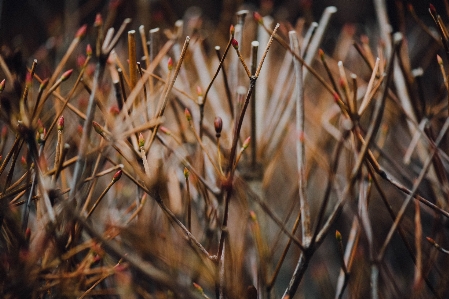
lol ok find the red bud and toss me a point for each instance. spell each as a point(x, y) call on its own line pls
point(246, 142)
point(114, 110)
point(336, 97)
point(253, 216)
point(23, 161)
point(198, 287)
point(235, 43)
point(170, 64)
point(258, 17)
point(4, 132)
point(43, 85)
point(117, 176)
point(165, 130)
point(2, 85)
point(98, 128)
point(321, 53)
point(98, 20)
point(218, 124)
point(81, 32)
point(141, 140)
point(432, 9)
point(61, 123)
point(40, 126)
point(338, 236)
point(343, 83)
point(27, 234)
point(80, 60)
point(88, 50)
point(301, 136)
point(66, 75)
point(28, 79)
point(188, 115)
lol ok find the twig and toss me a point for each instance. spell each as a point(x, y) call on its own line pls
point(300, 148)
point(401, 212)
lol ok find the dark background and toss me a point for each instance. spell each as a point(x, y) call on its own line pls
point(28, 24)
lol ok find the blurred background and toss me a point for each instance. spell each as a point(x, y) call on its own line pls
point(43, 29)
point(28, 24)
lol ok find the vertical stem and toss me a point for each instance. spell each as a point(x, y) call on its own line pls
point(87, 128)
point(154, 34)
point(254, 49)
point(300, 148)
point(226, 83)
point(189, 204)
point(132, 58)
point(143, 38)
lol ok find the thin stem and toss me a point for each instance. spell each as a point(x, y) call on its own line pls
point(170, 86)
point(226, 84)
point(100, 197)
point(437, 246)
point(254, 49)
point(239, 55)
point(189, 201)
point(203, 147)
point(143, 39)
point(300, 147)
point(298, 273)
point(87, 128)
point(145, 161)
point(418, 181)
point(369, 88)
point(271, 282)
point(220, 65)
point(132, 63)
point(10, 154)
